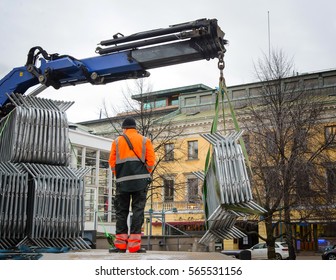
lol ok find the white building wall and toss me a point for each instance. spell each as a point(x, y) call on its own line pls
point(98, 183)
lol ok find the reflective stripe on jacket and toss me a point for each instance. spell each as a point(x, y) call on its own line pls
point(131, 174)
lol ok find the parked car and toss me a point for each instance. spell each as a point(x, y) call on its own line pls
point(259, 251)
point(329, 254)
point(329, 247)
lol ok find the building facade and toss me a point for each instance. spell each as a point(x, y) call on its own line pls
point(176, 206)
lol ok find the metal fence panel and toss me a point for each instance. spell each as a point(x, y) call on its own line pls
point(228, 185)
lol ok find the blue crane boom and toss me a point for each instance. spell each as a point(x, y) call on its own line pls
point(120, 58)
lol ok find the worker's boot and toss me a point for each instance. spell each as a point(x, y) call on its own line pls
point(120, 243)
point(134, 243)
point(116, 250)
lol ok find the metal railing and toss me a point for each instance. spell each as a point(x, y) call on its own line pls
point(178, 205)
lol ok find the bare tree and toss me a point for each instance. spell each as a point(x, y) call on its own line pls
point(288, 151)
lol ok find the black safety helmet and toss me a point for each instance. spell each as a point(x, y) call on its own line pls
point(128, 122)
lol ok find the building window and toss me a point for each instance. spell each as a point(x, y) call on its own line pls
point(330, 134)
point(168, 186)
point(271, 180)
point(174, 102)
point(98, 185)
point(169, 152)
point(271, 145)
point(193, 195)
point(193, 149)
point(302, 181)
point(331, 179)
point(159, 103)
point(148, 105)
point(300, 137)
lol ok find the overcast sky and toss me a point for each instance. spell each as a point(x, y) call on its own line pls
point(304, 30)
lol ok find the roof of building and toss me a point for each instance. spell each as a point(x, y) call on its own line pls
point(173, 91)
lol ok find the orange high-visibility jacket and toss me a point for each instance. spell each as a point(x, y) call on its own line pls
point(131, 174)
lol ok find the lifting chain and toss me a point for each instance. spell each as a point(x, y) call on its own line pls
point(221, 66)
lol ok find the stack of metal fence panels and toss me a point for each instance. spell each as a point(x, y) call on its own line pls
point(56, 205)
point(35, 131)
point(227, 185)
point(41, 198)
point(41, 205)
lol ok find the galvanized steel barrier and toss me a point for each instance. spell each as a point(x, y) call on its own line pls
point(229, 194)
point(41, 198)
point(35, 131)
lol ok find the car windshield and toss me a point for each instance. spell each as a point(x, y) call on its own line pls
point(258, 246)
point(284, 244)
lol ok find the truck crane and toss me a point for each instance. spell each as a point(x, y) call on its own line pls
point(41, 197)
point(120, 58)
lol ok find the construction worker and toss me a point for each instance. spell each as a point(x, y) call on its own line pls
point(132, 160)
